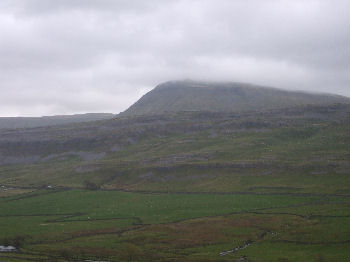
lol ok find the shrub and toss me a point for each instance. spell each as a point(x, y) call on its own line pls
point(91, 185)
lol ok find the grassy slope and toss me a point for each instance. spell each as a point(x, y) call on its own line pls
point(310, 156)
point(27, 122)
point(309, 159)
point(279, 154)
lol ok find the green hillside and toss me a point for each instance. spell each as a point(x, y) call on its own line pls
point(274, 150)
point(26, 122)
point(196, 184)
point(179, 96)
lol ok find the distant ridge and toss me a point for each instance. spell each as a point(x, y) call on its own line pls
point(176, 96)
point(26, 122)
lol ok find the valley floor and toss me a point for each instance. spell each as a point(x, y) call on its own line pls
point(78, 225)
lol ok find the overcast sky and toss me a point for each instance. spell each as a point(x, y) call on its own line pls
point(76, 56)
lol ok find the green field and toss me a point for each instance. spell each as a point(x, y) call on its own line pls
point(52, 225)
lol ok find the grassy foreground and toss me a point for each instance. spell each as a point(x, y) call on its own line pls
point(77, 225)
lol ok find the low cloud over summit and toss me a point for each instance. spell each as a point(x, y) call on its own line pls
point(60, 57)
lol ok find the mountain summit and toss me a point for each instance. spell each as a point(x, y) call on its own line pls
point(175, 96)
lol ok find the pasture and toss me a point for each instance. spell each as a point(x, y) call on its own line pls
point(77, 225)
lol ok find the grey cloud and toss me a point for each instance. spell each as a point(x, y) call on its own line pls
point(42, 8)
point(70, 56)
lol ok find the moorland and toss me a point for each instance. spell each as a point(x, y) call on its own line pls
point(165, 182)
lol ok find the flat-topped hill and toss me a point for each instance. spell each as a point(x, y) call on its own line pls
point(176, 96)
